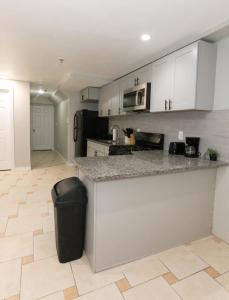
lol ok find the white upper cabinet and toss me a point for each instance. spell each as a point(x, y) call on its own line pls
point(109, 100)
point(162, 84)
point(143, 75)
point(184, 80)
point(138, 77)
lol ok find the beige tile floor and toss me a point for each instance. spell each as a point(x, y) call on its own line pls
point(29, 268)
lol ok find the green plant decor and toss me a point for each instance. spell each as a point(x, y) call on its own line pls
point(211, 154)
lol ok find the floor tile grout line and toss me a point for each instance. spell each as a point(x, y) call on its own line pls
point(209, 265)
point(53, 293)
point(201, 270)
point(20, 280)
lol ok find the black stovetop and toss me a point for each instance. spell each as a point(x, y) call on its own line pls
point(144, 142)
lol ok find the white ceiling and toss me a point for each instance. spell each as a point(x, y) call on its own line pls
point(99, 39)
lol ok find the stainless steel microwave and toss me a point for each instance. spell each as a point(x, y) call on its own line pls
point(137, 98)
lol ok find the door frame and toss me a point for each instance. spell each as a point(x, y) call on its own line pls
point(52, 122)
point(11, 112)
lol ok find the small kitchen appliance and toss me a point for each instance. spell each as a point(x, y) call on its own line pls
point(192, 147)
point(137, 98)
point(177, 148)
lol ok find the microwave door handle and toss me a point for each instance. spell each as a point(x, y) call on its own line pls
point(136, 101)
point(139, 98)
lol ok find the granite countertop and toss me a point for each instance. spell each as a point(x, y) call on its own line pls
point(142, 163)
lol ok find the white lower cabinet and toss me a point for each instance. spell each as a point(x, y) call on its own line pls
point(96, 149)
point(184, 80)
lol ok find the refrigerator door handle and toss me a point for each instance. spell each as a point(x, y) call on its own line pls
point(75, 128)
point(74, 135)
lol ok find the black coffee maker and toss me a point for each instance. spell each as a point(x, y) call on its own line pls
point(192, 147)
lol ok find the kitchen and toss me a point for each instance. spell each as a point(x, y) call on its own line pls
point(114, 184)
point(114, 148)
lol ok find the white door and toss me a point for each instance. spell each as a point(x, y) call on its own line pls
point(6, 130)
point(162, 84)
point(185, 75)
point(42, 127)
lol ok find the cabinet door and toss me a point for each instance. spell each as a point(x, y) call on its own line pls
point(84, 94)
point(185, 75)
point(114, 104)
point(100, 103)
point(90, 152)
point(103, 102)
point(144, 74)
point(161, 84)
point(109, 100)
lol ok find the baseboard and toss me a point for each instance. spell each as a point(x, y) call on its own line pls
point(22, 169)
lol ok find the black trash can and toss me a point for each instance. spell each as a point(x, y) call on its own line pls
point(70, 200)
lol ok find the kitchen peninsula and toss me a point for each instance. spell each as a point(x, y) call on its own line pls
point(144, 203)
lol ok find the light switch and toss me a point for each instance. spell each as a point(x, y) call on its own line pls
point(180, 135)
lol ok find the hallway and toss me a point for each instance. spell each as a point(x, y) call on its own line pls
point(45, 159)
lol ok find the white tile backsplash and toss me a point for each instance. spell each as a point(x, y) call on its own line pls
point(212, 127)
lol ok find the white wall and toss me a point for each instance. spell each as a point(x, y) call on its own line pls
point(221, 100)
point(64, 114)
point(61, 128)
point(221, 209)
point(21, 122)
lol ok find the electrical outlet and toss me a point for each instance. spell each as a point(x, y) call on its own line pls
point(180, 135)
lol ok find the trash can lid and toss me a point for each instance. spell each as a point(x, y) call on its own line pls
point(70, 191)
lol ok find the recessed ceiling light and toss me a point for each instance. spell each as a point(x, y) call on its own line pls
point(145, 37)
point(40, 91)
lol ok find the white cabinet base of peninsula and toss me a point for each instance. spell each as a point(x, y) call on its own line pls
point(132, 218)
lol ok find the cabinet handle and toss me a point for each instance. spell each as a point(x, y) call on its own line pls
point(166, 104)
point(109, 112)
point(137, 81)
point(170, 104)
point(95, 153)
point(82, 97)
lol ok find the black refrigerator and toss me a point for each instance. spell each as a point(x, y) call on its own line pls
point(87, 125)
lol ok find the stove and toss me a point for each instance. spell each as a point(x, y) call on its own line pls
point(145, 141)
